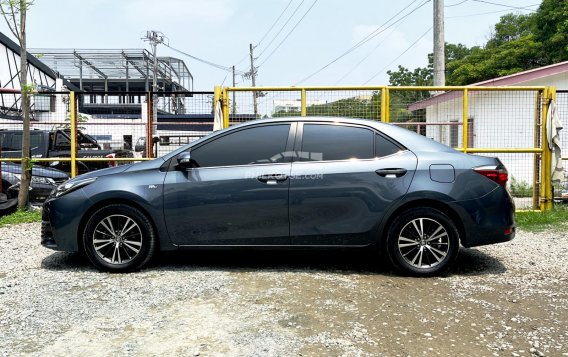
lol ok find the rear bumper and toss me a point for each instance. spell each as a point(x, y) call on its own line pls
point(487, 220)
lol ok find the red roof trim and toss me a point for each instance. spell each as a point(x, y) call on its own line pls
point(509, 80)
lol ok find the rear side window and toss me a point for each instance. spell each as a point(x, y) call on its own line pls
point(259, 145)
point(336, 142)
point(385, 147)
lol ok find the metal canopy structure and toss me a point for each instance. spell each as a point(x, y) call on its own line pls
point(116, 70)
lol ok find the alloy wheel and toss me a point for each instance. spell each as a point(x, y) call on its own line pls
point(423, 243)
point(117, 239)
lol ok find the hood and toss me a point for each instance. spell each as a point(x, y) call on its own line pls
point(105, 172)
point(144, 165)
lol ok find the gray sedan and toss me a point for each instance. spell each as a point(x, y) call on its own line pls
point(291, 183)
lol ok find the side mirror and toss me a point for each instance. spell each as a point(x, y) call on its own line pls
point(184, 160)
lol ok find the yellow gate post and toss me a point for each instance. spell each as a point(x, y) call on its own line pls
point(387, 106)
point(73, 124)
point(465, 119)
point(546, 198)
point(225, 107)
point(303, 110)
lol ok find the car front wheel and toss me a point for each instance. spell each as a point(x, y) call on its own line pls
point(422, 242)
point(119, 238)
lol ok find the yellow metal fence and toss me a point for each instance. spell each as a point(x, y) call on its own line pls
point(507, 122)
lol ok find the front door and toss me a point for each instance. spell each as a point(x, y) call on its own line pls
point(237, 193)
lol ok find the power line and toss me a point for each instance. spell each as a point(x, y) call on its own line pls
point(289, 33)
point(218, 66)
point(484, 13)
point(503, 5)
point(396, 59)
point(459, 3)
point(370, 36)
point(282, 28)
point(369, 54)
point(478, 14)
point(274, 23)
point(267, 32)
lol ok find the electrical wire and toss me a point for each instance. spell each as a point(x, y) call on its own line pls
point(224, 79)
point(218, 66)
point(281, 29)
point(288, 35)
point(369, 54)
point(478, 14)
point(396, 59)
point(274, 23)
point(459, 3)
point(370, 36)
point(485, 13)
point(503, 5)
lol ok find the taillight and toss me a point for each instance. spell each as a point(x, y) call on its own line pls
point(111, 163)
point(498, 174)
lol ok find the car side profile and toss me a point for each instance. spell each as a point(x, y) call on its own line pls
point(293, 183)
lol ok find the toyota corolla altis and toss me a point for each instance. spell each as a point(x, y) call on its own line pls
point(292, 183)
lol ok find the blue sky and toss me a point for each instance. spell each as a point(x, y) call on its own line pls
point(220, 31)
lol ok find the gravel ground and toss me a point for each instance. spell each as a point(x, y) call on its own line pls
point(502, 300)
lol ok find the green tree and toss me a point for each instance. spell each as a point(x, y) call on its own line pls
point(550, 28)
point(517, 43)
point(14, 12)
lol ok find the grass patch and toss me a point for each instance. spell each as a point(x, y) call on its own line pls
point(556, 218)
point(21, 217)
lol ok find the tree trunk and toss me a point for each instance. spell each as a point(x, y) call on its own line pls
point(26, 169)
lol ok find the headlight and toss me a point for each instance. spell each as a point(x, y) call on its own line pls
point(43, 180)
point(67, 187)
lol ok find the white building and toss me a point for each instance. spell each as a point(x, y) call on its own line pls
point(294, 105)
point(499, 119)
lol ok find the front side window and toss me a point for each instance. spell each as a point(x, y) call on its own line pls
point(336, 142)
point(258, 145)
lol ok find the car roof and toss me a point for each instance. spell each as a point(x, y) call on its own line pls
point(410, 139)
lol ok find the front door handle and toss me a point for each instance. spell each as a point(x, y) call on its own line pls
point(272, 179)
point(391, 173)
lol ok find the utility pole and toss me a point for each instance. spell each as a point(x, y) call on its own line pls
point(234, 106)
point(253, 79)
point(155, 38)
point(439, 45)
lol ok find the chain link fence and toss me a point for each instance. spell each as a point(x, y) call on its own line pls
point(119, 127)
point(502, 122)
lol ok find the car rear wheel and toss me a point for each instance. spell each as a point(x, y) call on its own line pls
point(422, 242)
point(119, 238)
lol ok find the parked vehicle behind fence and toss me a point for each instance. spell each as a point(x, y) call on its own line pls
point(57, 144)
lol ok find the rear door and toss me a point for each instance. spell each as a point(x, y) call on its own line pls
point(343, 180)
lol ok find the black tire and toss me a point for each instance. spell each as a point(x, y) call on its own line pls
point(422, 242)
point(119, 238)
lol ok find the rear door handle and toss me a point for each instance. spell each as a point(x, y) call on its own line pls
point(272, 179)
point(391, 173)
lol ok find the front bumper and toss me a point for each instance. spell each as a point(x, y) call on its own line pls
point(47, 239)
point(61, 220)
